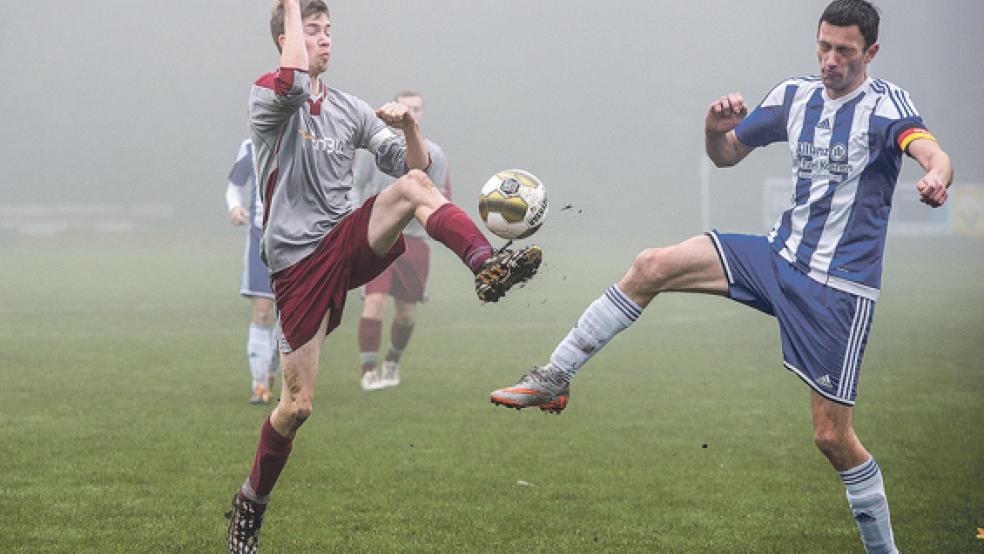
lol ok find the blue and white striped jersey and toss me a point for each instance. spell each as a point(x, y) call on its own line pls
point(846, 157)
point(243, 174)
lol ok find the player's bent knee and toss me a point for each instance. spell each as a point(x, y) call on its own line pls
point(650, 267)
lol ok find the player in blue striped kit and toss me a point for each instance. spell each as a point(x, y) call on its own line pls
point(261, 346)
point(818, 272)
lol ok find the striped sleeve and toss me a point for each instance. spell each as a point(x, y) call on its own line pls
point(906, 124)
point(767, 122)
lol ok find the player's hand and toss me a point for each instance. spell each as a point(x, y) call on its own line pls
point(238, 215)
point(725, 114)
point(932, 191)
point(397, 115)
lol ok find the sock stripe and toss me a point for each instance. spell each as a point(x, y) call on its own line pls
point(860, 474)
point(623, 303)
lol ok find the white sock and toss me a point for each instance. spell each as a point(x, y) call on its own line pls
point(866, 495)
point(275, 335)
point(368, 358)
point(607, 316)
point(259, 350)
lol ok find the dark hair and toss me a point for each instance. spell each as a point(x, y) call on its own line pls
point(844, 13)
point(308, 8)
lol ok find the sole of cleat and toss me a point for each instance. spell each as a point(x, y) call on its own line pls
point(554, 406)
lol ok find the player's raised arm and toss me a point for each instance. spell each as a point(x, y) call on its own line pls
point(939, 172)
point(401, 117)
point(720, 141)
point(294, 52)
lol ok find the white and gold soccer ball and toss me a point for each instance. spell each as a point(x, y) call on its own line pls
point(513, 204)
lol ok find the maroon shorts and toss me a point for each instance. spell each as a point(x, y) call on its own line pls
point(317, 285)
point(406, 278)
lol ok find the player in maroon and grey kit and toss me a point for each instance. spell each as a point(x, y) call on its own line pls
point(316, 246)
point(406, 279)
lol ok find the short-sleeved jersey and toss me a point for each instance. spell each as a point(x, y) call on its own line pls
point(243, 175)
point(846, 156)
point(369, 180)
point(305, 147)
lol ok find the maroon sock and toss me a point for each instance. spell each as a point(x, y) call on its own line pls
point(453, 228)
point(399, 338)
point(369, 332)
point(271, 457)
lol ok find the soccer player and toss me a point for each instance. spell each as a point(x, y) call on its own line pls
point(818, 271)
point(317, 247)
point(261, 346)
point(406, 279)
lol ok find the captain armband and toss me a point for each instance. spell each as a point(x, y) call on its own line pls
point(909, 135)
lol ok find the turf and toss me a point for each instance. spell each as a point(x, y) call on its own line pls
point(125, 427)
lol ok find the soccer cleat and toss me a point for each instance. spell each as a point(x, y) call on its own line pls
point(546, 387)
point(245, 520)
point(371, 380)
point(261, 395)
point(391, 373)
point(506, 269)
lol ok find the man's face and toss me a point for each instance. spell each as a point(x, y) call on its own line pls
point(843, 59)
point(416, 105)
point(317, 37)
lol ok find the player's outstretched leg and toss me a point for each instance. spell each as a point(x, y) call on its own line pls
point(548, 387)
point(414, 195)
point(692, 265)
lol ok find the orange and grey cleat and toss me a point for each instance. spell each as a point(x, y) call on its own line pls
point(506, 269)
point(546, 388)
point(261, 395)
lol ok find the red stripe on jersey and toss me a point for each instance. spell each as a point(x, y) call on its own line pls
point(314, 106)
point(271, 184)
point(280, 81)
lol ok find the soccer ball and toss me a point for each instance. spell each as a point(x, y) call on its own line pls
point(513, 204)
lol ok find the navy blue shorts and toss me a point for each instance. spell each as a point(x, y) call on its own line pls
point(823, 330)
point(256, 277)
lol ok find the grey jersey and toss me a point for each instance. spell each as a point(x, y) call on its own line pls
point(369, 180)
point(304, 149)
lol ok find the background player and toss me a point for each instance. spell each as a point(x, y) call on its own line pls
point(261, 346)
point(819, 270)
point(406, 278)
point(316, 246)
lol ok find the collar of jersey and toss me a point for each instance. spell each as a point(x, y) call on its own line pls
point(847, 97)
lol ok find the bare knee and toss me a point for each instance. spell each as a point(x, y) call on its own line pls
point(405, 313)
point(295, 413)
point(834, 442)
point(413, 184)
point(649, 270)
point(374, 307)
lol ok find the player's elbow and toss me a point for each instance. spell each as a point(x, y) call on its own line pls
point(721, 161)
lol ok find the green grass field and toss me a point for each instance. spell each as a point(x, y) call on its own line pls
point(124, 425)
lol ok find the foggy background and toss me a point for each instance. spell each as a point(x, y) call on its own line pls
point(140, 106)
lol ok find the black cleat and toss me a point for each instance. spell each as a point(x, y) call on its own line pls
point(245, 520)
point(506, 269)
